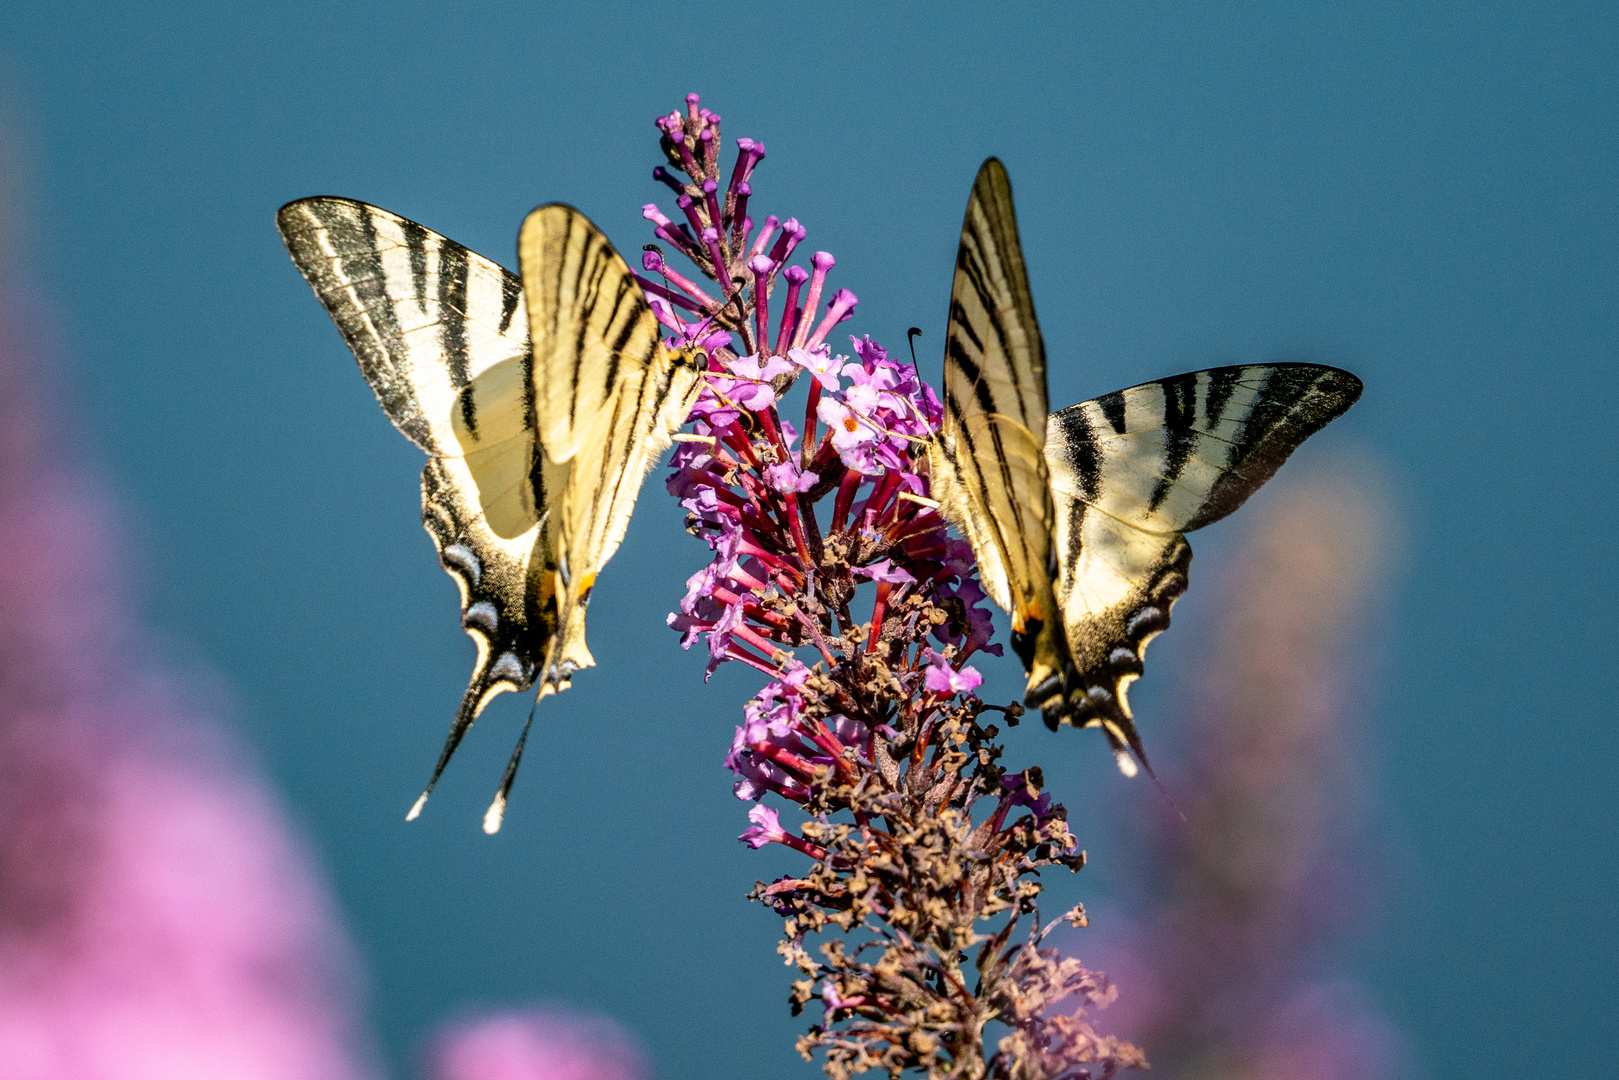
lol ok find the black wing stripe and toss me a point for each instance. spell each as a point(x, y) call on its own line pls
point(1112, 406)
point(1222, 383)
point(1180, 419)
point(510, 294)
point(416, 245)
point(384, 372)
point(1297, 401)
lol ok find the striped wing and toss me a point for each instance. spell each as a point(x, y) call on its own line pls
point(607, 397)
point(987, 467)
point(1134, 470)
point(442, 336)
point(610, 396)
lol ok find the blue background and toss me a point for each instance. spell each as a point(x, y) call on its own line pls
point(1423, 193)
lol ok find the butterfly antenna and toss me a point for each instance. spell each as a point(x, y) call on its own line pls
point(703, 325)
point(1162, 790)
point(497, 809)
point(911, 335)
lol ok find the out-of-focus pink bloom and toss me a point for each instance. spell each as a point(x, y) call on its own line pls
point(1268, 867)
point(157, 917)
point(536, 1045)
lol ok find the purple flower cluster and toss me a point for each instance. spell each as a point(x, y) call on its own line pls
point(833, 574)
point(752, 487)
point(717, 235)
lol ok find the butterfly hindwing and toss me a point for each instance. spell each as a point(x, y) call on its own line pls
point(1134, 470)
point(988, 471)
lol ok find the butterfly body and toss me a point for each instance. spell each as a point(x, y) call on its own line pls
point(1078, 517)
point(542, 401)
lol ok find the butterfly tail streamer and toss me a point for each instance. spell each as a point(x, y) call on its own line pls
point(484, 687)
point(497, 809)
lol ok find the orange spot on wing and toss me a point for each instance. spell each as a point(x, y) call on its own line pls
point(1025, 613)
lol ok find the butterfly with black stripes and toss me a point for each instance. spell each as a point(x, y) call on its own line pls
point(542, 401)
point(1077, 517)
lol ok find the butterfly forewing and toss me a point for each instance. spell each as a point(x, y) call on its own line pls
point(995, 360)
point(608, 394)
point(989, 474)
point(1132, 471)
point(423, 314)
point(592, 329)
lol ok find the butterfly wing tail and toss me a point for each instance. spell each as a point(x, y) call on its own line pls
point(566, 655)
point(488, 681)
point(508, 609)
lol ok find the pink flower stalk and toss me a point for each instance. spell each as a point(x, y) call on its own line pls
point(536, 1045)
point(1267, 870)
point(923, 848)
point(157, 917)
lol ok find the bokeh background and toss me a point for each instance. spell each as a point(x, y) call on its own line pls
point(1423, 193)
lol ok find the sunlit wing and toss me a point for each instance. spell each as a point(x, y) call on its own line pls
point(442, 335)
point(1134, 470)
point(987, 469)
point(1077, 520)
point(610, 395)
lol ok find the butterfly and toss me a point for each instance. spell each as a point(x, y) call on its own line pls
point(1077, 518)
point(542, 401)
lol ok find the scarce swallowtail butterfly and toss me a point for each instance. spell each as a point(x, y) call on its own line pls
point(1077, 517)
point(542, 400)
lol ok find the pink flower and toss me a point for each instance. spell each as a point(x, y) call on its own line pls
point(709, 408)
point(871, 354)
point(766, 828)
point(941, 678)
point(751, 389)
point(536, 1045)
point(885, 571)
point(832, 1001)
point(786, 478)
point(853, 436)
point(820, 363)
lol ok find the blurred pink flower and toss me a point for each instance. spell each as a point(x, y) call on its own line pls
point(1229, 972)
point(158, 921)
point(536, 1045)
